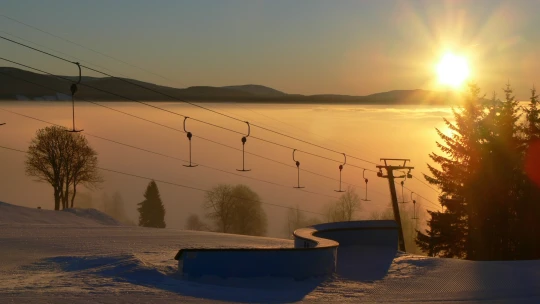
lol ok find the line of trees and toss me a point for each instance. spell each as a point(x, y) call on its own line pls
point(487, 173)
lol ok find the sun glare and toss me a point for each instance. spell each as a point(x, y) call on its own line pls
point(452, 70)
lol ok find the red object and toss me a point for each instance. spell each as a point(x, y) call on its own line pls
point(532, 162)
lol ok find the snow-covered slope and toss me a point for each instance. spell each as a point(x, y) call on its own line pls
point(93, 263)
point(13, 214)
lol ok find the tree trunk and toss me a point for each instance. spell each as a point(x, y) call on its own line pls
point(74, 193)
point(65, 197)
point(56, 199)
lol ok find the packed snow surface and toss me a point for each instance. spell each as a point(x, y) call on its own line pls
point(85, 257)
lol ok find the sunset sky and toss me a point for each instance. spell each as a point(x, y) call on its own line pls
point(307, 47)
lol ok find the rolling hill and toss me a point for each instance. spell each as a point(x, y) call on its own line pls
point(17, 84)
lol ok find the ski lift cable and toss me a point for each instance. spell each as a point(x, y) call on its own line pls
point(183, 100)
point(84, 47)
point(132, 65)
point(203, 138)
point(172, 112)
point(59, 52)
point(178, 130)
point(167, 156)
point(173, 183)
point(425, 184)
point(424, 198)
point(150, 121)
point(175, 113)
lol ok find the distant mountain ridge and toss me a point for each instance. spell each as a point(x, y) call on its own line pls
point(17, 84)
point(258, 90)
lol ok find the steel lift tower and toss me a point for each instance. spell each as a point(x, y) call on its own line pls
point(391, 177)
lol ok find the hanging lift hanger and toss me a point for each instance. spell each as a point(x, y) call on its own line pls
point(189, 136)
point(366, 181)
point(298, 167)
point(340, 169)
point(415, 217)
point(73, 89)
point(244, 139)
point(402, 186)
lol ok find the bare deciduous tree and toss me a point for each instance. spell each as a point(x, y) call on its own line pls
point(63, 160)
point(236, 210)
point(220, 206)
point(344, 208)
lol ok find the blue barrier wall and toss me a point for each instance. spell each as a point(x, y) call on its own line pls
point(360, 233)
point(298, 264)
point(315, 252)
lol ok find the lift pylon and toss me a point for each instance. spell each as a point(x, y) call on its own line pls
point(390, 176)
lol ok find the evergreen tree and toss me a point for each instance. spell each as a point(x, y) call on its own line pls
point(532, 124)
point(458, 178)
point(529, 219)
point(485, 193)
point(503, 176)
point(151, 210)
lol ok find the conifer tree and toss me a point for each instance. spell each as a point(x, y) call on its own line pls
point(151, 210)
point(490, 209)
point(529, 245)
point(503, 179)
point(532, 125)
point(458, 178)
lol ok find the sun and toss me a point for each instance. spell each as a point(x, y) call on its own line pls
point(452, 70)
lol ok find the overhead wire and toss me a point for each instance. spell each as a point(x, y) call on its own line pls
point(111, 57)
point(169, 156)
point(171, 128)
point(196, 105)
point(174, 184)
point(85, 47)
point(175, 130)
point(59, 52)
point(202, 165)
point(199, 106)
point(178, 114)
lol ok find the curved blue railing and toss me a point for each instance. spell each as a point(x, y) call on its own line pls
point(315, 252)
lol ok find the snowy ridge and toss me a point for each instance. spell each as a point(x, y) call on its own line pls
point(13, 214)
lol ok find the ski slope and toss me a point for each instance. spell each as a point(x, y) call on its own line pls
point(83, 257)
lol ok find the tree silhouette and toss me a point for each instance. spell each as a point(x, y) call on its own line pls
point(344, 208)
point(151, 210)
point(63, 160)
point(489, 205)
point(236, 209)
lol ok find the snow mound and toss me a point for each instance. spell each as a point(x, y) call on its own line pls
point(13, 214)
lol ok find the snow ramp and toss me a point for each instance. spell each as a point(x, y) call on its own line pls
point(359, 250)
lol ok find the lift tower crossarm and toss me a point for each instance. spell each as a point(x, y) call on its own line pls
point(390, 176)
